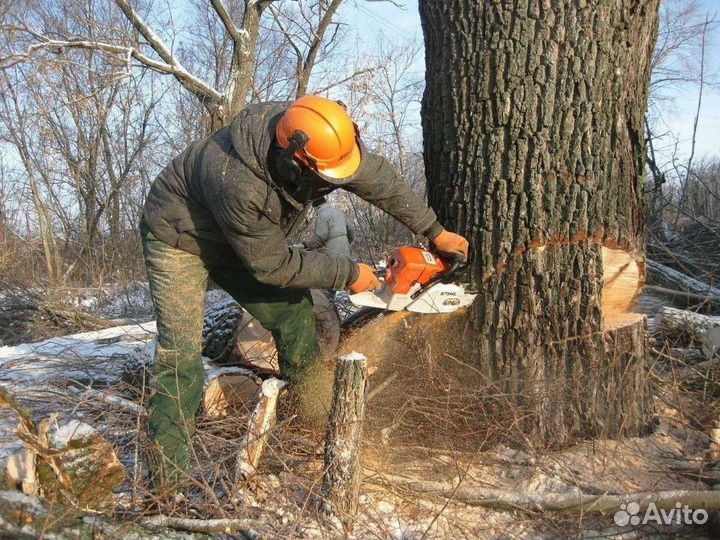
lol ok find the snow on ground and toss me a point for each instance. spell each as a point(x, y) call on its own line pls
point(93, 357)
point(61, 374)
point(130, 301)
point(77, 374)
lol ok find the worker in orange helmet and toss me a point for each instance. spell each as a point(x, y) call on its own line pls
point(223, 210)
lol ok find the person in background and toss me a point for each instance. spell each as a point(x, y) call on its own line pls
point(334, 233)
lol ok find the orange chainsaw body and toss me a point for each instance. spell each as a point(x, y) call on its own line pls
point(410, 265)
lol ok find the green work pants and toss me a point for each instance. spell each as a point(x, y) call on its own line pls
point(178, 282)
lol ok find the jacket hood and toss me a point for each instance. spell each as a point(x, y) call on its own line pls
point(253, 133)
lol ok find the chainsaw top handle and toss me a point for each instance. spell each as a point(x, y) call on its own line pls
point(458, 263)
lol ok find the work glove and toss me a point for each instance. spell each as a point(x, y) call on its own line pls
point(366, 280)
point(452, 244)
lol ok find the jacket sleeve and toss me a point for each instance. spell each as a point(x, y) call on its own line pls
point(263, 248)
point(379, 184)
point(322, 230)
point(350, 229)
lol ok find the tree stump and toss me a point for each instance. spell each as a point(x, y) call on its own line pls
point(343, 474)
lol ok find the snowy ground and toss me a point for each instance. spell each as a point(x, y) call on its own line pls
point(93, 376)
point(71, 371)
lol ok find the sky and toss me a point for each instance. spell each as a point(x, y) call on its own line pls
point(677, 115)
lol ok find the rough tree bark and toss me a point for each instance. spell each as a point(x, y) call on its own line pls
point(534, 150)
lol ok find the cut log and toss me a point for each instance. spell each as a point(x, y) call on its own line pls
point(664, 276)
point(252, 342)
point(343, 474)
point(622, 281)
point(711, 341)
point(685, 325)
point(262, 419)
point(21, 467)
point(75, 463)
point(67, 462)
point(21, 471)
point(228, 393)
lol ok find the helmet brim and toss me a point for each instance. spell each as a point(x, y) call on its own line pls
point(344, 169)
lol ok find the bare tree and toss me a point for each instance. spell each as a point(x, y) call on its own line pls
point(304, 26)
point(389, 113)
point(678, 66)
point(223, 95)
point(150, 51)
point(85, 101)
point(80, 128)
point(16, 119)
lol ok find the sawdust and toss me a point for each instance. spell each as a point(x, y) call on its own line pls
point(426, 394)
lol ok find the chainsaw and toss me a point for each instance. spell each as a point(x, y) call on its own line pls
point(420, 281)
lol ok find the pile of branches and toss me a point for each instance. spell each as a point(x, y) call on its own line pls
point(683, 266)
point(31, 314)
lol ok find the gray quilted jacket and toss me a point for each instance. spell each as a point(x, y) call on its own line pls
point(333, 232)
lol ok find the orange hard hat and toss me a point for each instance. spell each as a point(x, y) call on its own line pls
point(326, 138)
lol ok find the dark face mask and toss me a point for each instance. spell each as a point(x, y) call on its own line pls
point(301, 182)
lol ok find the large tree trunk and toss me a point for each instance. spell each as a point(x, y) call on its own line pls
point(534, 150)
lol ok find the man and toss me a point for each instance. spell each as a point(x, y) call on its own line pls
point(334, 234)
point(223, 210)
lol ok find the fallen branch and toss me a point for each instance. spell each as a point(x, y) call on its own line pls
point(243, 526)
point(659, 274)
point(382, 386)
point(114, 401)
point(674, 293)
point(681, 262)
point(559, 502)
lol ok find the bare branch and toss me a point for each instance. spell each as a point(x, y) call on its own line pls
point(227, 21)
point(285, 31)
point(346, 79)
point(152, 38)
point(198, 87)
point(308, 64)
